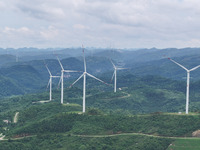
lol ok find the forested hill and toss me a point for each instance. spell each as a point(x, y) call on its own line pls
point(167, 68)
point(56, 126)
point(32, 75)
point(19, 79)
point(135, 95)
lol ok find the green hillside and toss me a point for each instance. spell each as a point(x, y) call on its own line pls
point(6, 58)
point(143, 115)
point(165, 68)
point(137, 95)
point(63, 142)
point(185, 144)
point(9, 87)
point(60, 129)
point(23, 77)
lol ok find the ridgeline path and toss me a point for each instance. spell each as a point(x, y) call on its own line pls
point(111, 135)
point(129, 134)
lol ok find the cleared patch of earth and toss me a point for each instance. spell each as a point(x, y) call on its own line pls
point(16, 117)
point(196, 133)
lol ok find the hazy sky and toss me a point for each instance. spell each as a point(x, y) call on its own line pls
point(100, 23)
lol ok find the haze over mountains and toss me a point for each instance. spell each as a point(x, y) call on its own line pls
point(29, 73)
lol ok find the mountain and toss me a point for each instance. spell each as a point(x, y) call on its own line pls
point(32, 75)
point(9, 87)
point(142, 115)
point(146, 113)
point(146, 55)
point(24, 76)
point(167, 68)
point(137, 95)
point(5, 59)
point(28, 54)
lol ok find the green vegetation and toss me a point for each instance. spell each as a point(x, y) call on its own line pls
point(138, 95)
point(133, 118)
point(59, 130)
point(60, 142)
point(154, 124)
point(185, 144)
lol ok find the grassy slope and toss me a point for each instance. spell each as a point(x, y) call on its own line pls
point(185, 144)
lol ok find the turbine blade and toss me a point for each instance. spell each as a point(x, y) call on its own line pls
point(84, 59)
point(59, 82)
point(48, 70)
point(97, 78)
point(112, 64)
point(48, 84)
point(194, 68)
point(55, 76)
point(121, 68)
point(71, 71)
point(60, 63)
point(112, 76)
point(178, 64)
point(76, 80)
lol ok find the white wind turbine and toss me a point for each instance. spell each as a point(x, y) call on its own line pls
point(84, 80)
point(188, 82)
point(62, 76)
point(50, 83)
point(115, 74)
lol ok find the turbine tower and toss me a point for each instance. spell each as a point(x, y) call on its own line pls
point(115, 75)
point(84, 80)
point(50, 83)
point(188, 82)
point(61, 78)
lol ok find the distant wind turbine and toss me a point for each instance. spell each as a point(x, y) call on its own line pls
point(84, 80)
point(188, 82)
point(115, 75)
point(62, 76)
point(50, 82)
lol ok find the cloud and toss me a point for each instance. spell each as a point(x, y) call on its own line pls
point(80, 27)
point(48, 10)
point(129, 23)
point(2, 5)
point(50, 33)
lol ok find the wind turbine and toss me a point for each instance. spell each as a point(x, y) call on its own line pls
point(115, 74)
point(84, 80)
point(188, 82)
point(61, 77)
point(50, 82)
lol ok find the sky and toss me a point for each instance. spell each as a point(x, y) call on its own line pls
point(100, 23)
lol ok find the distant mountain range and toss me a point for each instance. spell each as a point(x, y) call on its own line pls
point(30, 74)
